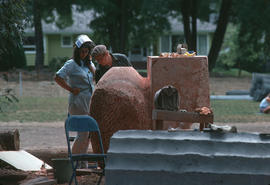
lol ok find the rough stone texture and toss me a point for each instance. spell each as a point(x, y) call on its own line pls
point(120, 102)
point(188, 158)
point(188, 74)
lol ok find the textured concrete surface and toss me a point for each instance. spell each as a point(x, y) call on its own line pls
point(188, 158)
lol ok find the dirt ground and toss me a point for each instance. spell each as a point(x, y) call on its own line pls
point(51, 135)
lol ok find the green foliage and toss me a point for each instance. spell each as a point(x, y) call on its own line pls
point(56, 63)
point(12, 21)
point(253, 46)
point(52, 11)
point(122, 25)
point(14, 59)
point(7, 97)
point(228, 54)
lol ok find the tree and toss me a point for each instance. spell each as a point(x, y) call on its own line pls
point(190, 12)
point(229, 51)
point(219, 33)
point(12, 21)
point(122, 25)
point(253, 38)
point(45, 10)
point(39, 60)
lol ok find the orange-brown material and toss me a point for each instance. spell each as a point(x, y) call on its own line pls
point(123, 99)
point(188, 74)
point(120, 102)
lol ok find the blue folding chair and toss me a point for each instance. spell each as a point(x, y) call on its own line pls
point(83, 123)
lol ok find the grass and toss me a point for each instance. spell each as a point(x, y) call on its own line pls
point(233, 111)
point(38, 109)
point(44, 109)
point(233, 72)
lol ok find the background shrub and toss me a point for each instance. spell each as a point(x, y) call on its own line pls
point(56, 63)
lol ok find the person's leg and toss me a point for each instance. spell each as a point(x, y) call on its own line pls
point(266, 110)
point(81, 143)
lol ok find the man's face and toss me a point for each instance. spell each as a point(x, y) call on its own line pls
point(104, 59)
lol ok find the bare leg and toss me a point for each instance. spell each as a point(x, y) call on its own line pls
point(81, 143)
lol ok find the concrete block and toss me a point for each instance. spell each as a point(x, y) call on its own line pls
point(188, 158)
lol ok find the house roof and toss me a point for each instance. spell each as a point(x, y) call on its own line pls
point(177, 26)
point(81, 22)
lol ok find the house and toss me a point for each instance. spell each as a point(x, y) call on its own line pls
point(59, 42)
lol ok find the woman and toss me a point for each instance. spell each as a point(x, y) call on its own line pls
point(76, 76)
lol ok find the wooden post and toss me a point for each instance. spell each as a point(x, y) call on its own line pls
point(159, 124)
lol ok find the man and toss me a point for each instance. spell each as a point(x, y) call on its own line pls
point(106, 60)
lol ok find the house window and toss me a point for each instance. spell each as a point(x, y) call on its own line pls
point(66, 41)
point(29, 44)
point(202, 45)
point(177, 39)
point(165, 44)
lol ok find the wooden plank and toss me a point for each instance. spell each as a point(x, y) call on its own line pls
point(190, 117)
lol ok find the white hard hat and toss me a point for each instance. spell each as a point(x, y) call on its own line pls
point(82, 39)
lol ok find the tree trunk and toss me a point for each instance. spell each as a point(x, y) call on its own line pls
point(194, 25)
point(9, 140)
point(39, 61)
point(123, 26)
point(186, 21)
point(219, 33)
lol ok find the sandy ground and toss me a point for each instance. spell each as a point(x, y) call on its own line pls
point(51, 136)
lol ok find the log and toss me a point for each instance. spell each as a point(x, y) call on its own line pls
point(11, 176)
point(9, 140)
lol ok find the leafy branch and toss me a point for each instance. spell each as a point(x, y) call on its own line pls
point(7, 97)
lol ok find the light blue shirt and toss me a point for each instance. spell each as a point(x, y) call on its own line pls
point(78, 77)
point(264, 103)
